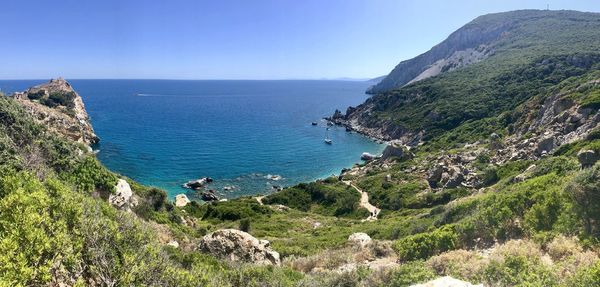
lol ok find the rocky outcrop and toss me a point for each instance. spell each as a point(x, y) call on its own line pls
point(393, 151)
point(197, 184)
point(359, 239)
point(236, 245)
point(123, 196)
point(446, 281)
point(58, 107)
point(209, 195)
point(181, 200)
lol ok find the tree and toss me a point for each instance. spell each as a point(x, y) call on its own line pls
point(584, 189)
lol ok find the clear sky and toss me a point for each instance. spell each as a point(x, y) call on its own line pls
point(226, 39)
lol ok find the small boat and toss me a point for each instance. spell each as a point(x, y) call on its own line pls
point(327, 139)
point(314, 123)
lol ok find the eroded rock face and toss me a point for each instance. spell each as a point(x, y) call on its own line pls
point(446, 281)
point(57, 106)
point(359, 239)
point(236, 245)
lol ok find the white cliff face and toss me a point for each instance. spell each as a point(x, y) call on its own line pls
point(236, 245)
point(57, 106)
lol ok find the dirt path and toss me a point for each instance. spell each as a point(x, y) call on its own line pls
point(364, 202)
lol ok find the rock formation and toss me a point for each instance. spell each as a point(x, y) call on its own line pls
point(123, 196)
point(359, 239)
point(57, 106)
point(236, 245)
point(181, 200)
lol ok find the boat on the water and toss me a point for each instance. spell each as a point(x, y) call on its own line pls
point(327, 139)
point(314, 123)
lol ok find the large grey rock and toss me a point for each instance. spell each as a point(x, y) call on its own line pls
point(587, 158)
point(546, 144)
point(393, 151)
point(236, 245)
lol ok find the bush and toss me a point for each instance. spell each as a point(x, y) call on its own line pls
point(584, 189)
point(245, 225)
point(425, 245)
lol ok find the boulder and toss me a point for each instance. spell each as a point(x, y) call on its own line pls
point(546, 144)
point(435, 175)
point(209, 196)
point(587, 158)
point(446, 281)
point(366, 156)
point(181, 200)
point(198, 183)
point(359, 239)
point(173, 243)
point(393, 151)
point(122, 195)
point(236, 245)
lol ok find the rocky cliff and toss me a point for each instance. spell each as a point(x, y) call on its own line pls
point(58, 107)
point(472, 43)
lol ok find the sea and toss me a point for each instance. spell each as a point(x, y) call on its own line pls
point(250, 136)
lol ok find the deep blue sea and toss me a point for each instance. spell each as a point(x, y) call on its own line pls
point(165, 132)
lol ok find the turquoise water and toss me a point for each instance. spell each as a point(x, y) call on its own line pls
point(165, 132)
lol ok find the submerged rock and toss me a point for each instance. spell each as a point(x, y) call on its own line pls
point(236, 245)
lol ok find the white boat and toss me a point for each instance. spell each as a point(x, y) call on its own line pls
point(327, 139)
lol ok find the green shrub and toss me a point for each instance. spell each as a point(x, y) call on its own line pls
point(245, 225)
point(425, 245)
point(519, 271)
point(584, 189)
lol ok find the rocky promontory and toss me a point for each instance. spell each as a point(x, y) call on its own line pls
point(58, 107)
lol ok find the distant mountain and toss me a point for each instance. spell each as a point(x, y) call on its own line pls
point(495, 35)
point(487, 68)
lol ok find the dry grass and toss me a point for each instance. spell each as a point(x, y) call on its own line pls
point(459, 263)
point(329, 260)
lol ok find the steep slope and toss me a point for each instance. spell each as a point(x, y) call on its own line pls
point(492, 35)
point(540, 50)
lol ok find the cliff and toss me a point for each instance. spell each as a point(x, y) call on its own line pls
point(58, 107)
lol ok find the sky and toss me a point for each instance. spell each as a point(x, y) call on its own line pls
point(227, 39)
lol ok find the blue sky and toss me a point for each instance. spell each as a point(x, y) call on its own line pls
point(225, 39)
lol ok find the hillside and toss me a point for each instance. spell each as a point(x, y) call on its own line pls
point(507, 38)
point(492, 177)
